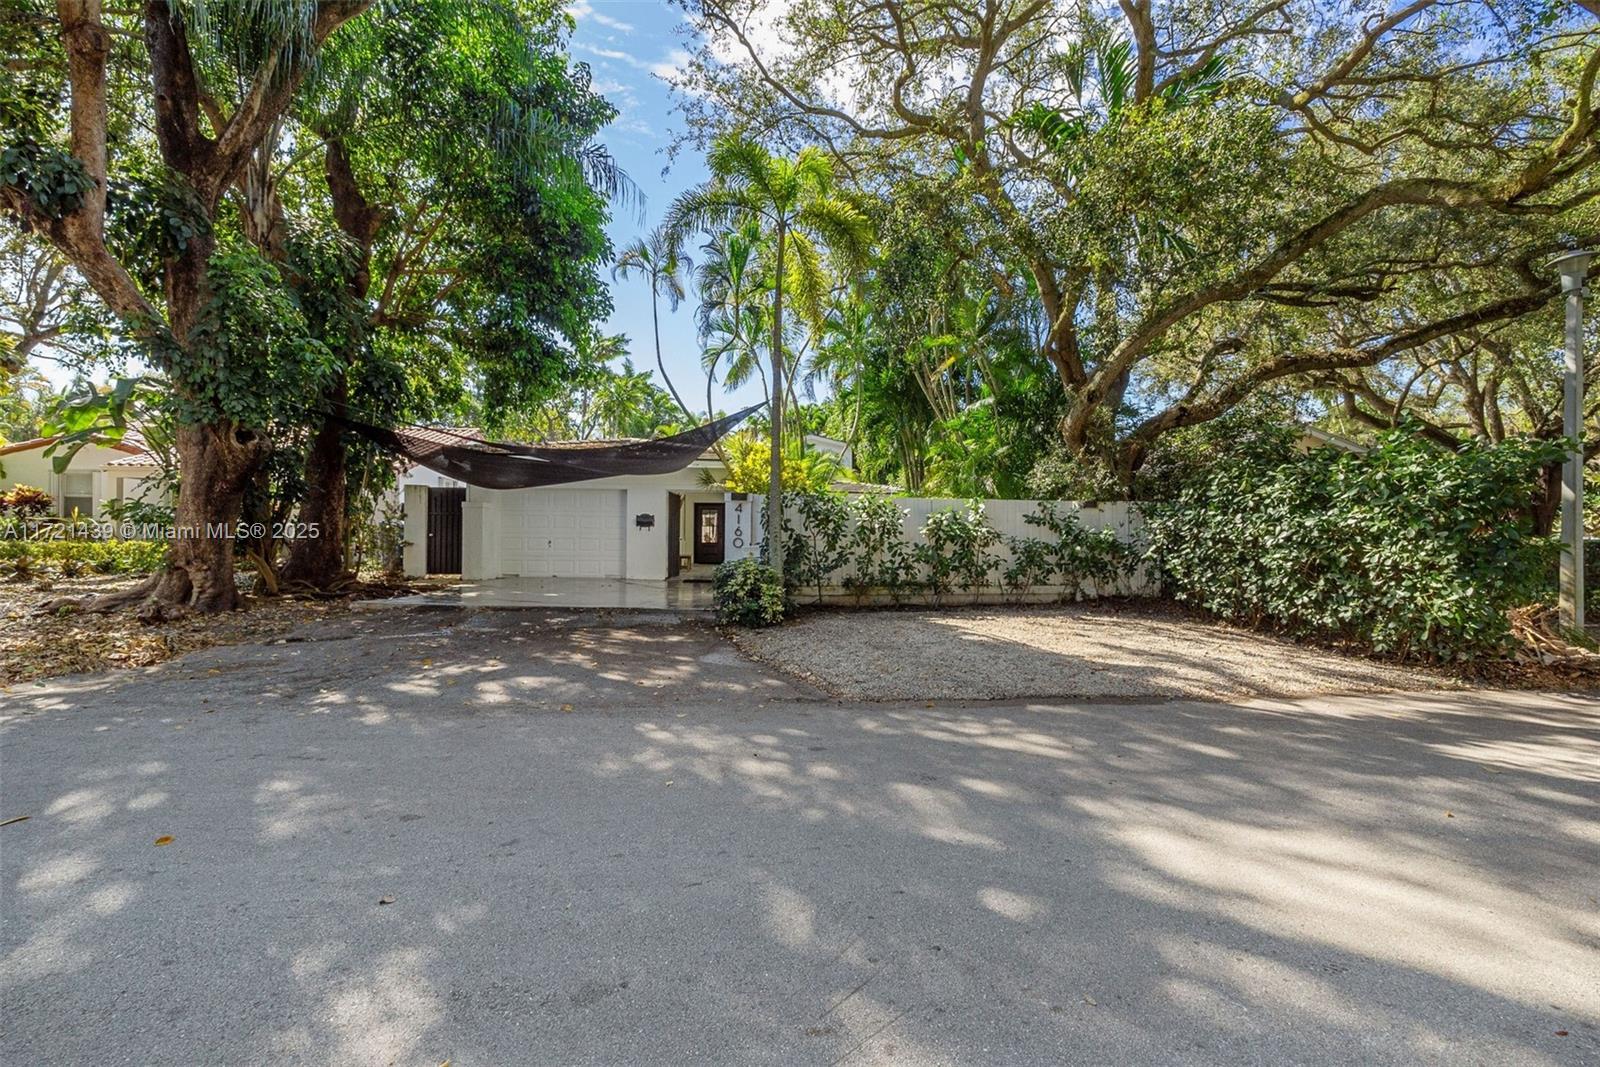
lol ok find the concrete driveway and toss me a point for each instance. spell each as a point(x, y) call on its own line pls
point(492, 839)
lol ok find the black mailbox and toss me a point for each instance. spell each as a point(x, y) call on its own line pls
point(644, 522)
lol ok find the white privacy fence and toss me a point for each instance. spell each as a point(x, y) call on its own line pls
point(1052, 576)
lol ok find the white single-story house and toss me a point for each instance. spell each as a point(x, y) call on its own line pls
point(98, 474)
point(652, 527)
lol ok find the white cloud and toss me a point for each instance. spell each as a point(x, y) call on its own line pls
point(669, 67)
point(619, 94)
point(582, 10)
point(672, 66)
point(610, 53)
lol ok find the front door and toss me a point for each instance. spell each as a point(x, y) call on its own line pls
point(444, 530)
point(708, 533)
point(674, 534)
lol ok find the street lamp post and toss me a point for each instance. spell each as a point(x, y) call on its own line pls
point(1574, 268)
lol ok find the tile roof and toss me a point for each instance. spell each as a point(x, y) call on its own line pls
point(138, 459)
point(131, 443)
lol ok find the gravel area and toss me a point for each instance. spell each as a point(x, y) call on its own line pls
point(1082, 650)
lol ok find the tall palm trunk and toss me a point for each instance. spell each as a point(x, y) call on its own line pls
point(661, 365)
point(775, 411)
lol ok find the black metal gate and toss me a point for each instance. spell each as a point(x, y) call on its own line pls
point(444, 530)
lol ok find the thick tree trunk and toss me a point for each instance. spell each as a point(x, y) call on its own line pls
point(217, 461)
point(319, 560)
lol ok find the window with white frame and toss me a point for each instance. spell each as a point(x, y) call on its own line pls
point(77, 493)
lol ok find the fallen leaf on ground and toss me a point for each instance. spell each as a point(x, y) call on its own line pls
point(15, 818)
point(386, 900)
point(164, 839)
point(566, 707)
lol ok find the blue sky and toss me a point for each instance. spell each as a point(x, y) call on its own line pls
point(629, 44)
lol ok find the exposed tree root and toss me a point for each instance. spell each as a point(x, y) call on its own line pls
point(165, 596)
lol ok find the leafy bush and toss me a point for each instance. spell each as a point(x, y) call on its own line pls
point(1080, 556)
point(958, 545)
point(140, 513)
point(750, 467)
point(861, 544)
point(1404, 549)
point(821, 545)
point(70, 558)
point(747, 592)
point(878, 547)
point(1033, 562)
point(25, 500)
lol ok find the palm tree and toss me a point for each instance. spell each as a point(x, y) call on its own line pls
point(628, 404)
point(796, 212)
point(655, 257)
point(729, 318)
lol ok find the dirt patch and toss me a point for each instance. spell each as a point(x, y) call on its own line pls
point(36, 646)
point(1125, 649)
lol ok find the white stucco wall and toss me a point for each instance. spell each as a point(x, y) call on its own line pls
point(1006, 516)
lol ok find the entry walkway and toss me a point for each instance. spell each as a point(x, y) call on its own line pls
point(683, 597)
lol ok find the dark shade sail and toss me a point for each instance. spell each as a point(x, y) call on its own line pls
point(507, 465)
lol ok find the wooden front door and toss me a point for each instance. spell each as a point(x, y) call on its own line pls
point(674, 534)
point(444, 530)
point(708, 532)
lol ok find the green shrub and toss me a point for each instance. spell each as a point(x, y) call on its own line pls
point(140, 513)
point(821, 545)
point(1404, 549)
point(958, 546)
point(1033, 562)
point(747, 592)
point(70, 558)
point(882, 558)
point(1078, 555)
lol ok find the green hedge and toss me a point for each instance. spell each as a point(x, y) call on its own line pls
point(1404, 549)
point(24, 559)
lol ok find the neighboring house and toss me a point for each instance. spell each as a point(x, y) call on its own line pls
point(98, 473)
point(1312, 438)
point(833, 447)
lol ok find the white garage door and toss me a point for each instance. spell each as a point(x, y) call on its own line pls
point(564, 533)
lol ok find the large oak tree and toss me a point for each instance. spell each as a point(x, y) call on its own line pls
point(1202, 199)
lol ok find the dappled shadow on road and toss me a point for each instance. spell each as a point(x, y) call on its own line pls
point(710, 865)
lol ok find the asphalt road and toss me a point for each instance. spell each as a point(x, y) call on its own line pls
point(477, 839)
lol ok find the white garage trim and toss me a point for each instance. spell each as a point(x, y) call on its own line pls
point(563, 533)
